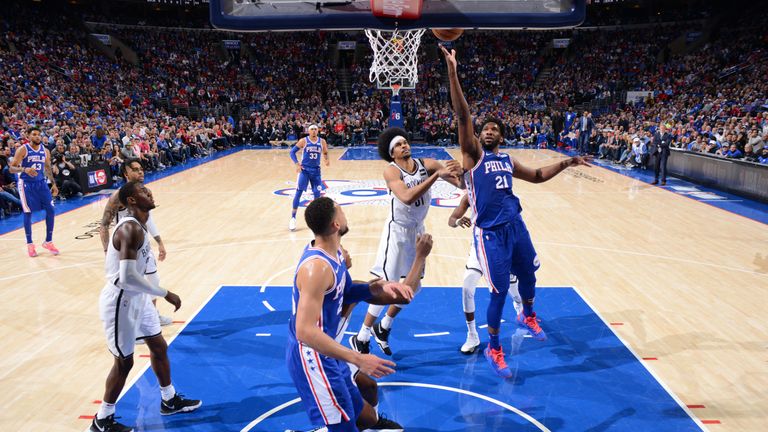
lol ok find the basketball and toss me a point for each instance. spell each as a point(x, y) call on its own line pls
point(447, 35)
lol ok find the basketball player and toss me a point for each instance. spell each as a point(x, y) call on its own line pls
point(316, 362)
point(133, 171)
point(502, 242)
point(471, 277)
point(308, 169)
point(409, 181)
point(30, 162)
point(126, 310)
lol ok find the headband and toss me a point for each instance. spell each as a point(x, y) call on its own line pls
point(394, 141)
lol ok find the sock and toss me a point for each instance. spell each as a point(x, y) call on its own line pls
point(495, 344)
point(28, 227)
point(386, 322)
point(293, 213)
point(364, 335)
point(527, 308)
point(49, 219)
point(376, 408)
point(471, 327)
point(167, 393)
point(105, 410)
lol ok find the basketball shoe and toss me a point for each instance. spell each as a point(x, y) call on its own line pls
point(108, 424)
point(471, 344)
point(51, 248)
point(531, 323)
point(385, 425)
point(31, 250)
point(292, 224)
point(359, 346)
point(178, 404)
point(382, 338)
point(497, 362)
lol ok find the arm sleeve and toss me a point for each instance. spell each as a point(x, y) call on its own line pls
point(294, 150)
point(356, 292)
point(151, 227)
point(131, 280)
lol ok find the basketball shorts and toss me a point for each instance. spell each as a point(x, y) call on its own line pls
point(397, 250)
point(505, 250)
point(325, 385)
point(127, 316)
point(151, 265)
point(34, 195)
point(310, 177)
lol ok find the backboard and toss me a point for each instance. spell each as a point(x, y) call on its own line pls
point(277, 15)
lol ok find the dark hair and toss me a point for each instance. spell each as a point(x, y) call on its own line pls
point(385, 137)
point(32, 129)
point(127, 191)
point(128, 163)
point(493, 120)
point(319, 215)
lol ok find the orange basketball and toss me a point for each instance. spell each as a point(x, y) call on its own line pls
point(447, 35)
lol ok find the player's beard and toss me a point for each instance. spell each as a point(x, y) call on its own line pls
point(343, 230)
point(491, 146)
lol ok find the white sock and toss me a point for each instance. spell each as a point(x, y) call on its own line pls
point(471, 327)
point(105, 410)
point(364, 335)
point(386, 322)
point(167, 393)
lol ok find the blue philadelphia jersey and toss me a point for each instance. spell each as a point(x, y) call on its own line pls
point(489, 186)
point(310, 157)
point(325, 384)
point(334, 296)
point(34, 159)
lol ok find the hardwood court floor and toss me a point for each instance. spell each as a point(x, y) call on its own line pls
point(688, 281)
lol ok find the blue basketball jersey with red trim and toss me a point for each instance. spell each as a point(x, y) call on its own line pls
point(333, 298)
point(34, 159)
point(489, 186)
point(310, 158)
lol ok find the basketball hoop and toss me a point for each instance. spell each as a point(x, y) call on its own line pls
point(395, 61)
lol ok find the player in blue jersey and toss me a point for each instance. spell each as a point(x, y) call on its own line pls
point(317, 363)
point(502, 241)
point(309, 168)
point(32, 163)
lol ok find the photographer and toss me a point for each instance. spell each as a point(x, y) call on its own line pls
point(64, 172)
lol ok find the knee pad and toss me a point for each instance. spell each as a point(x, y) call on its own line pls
point(375, 310)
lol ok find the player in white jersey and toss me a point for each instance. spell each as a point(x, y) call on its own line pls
point(472, 276)
point(113, 211)
point(409, 181)
point(127, 313)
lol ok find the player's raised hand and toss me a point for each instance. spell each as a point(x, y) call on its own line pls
point(373, 366)
point(173, 299)
point(455, 167)
point(423, 245)
point(450, 57)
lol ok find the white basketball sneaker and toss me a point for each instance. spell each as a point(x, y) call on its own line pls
point(292, 224)
point(471, 344)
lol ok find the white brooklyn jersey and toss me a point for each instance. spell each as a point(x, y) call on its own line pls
point(414, 214)
point(143, 256)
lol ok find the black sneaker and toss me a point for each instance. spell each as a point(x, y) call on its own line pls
point(386, 425)
point(108, 424)
point(357, 345)
point(178, 404)
point(382, 338)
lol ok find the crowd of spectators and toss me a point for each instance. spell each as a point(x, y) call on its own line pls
point(91, 107)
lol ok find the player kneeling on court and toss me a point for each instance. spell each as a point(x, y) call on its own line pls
point(317, 363)
point(126, 309)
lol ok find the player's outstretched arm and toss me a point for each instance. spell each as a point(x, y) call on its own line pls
point(450, 172)
point(540, 175)
point(470, 146)
point(312, 280)
point(405, 194)
point(457, 218)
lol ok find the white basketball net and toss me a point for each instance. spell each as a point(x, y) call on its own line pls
point(395, 63)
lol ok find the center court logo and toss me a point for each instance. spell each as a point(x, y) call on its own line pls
point(372, 193)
